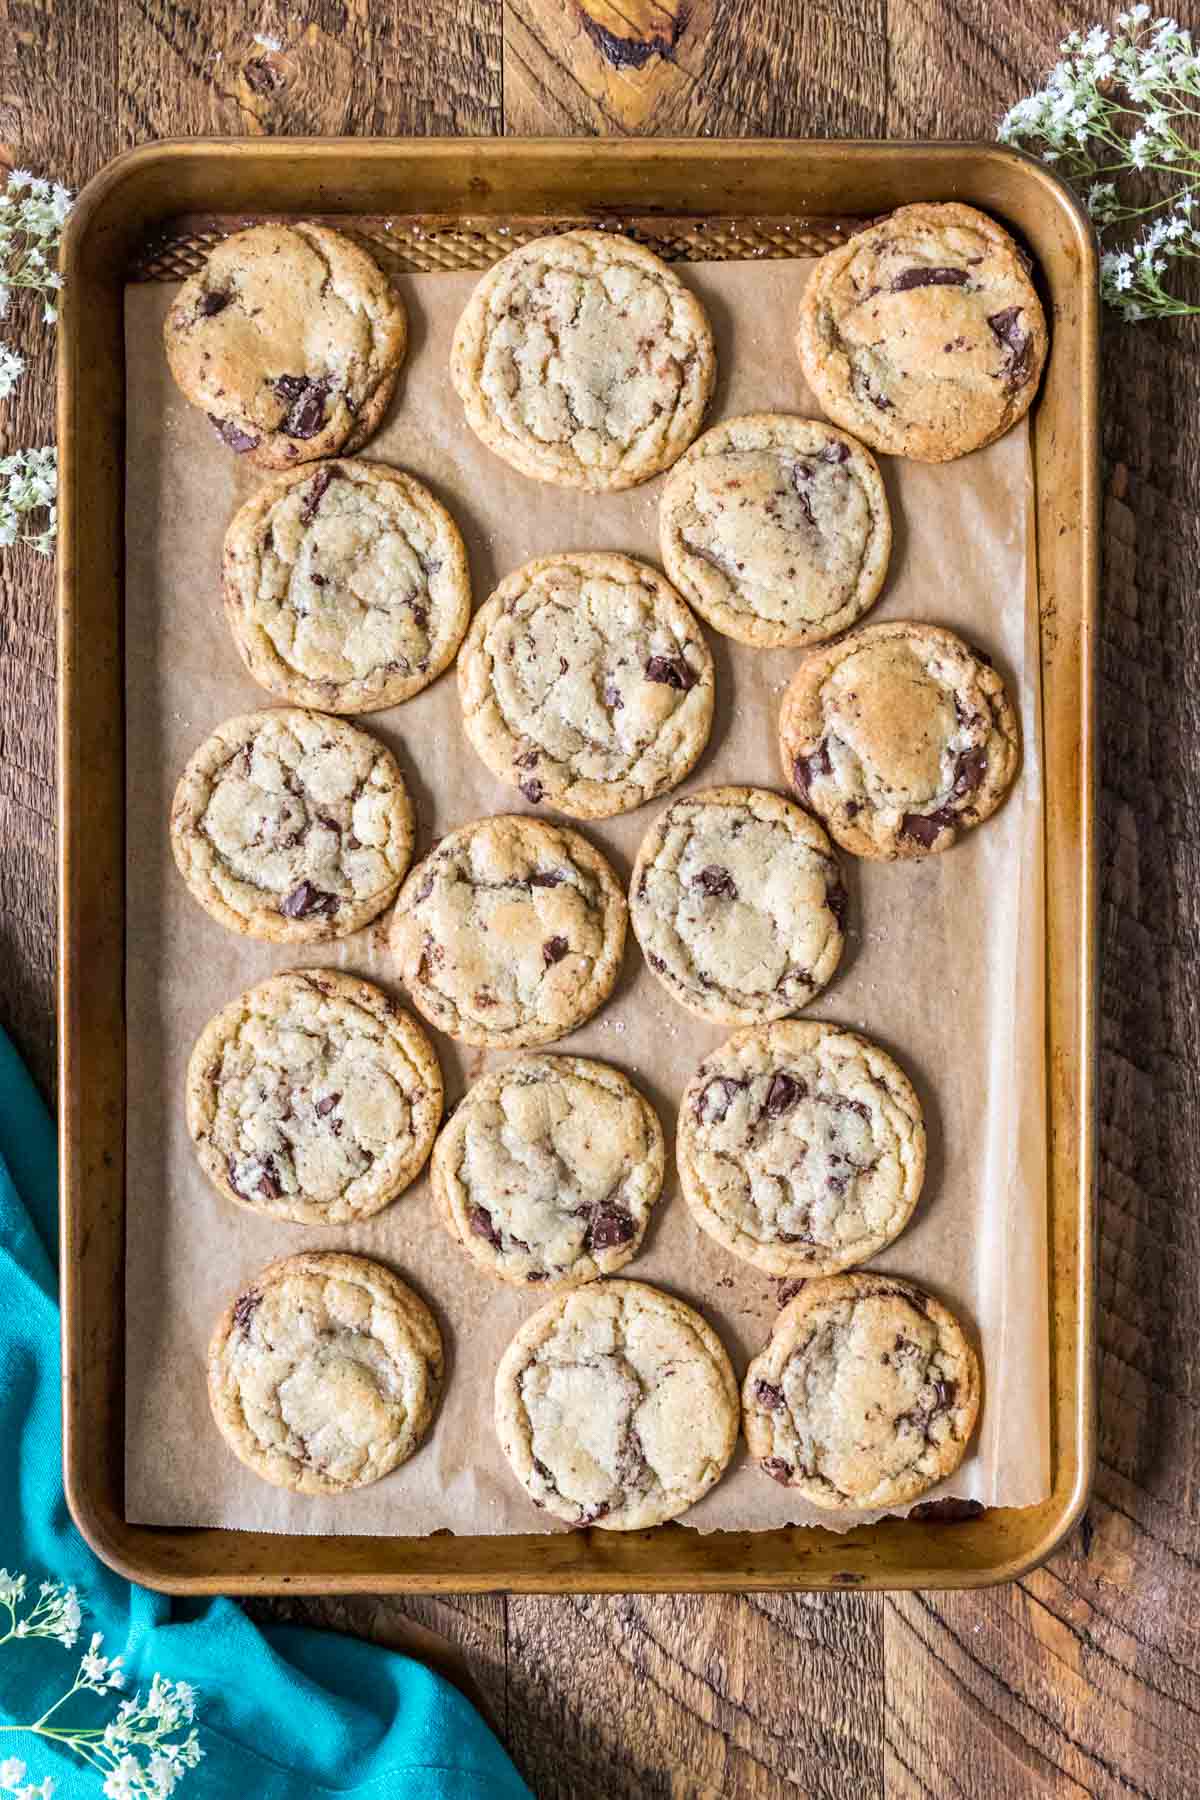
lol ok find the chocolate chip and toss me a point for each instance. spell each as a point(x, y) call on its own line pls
point(420, 618)
point(944, 1392)
point(972, 767)
point(838, 901)
point(233, 435)
point(806, 767)
point(546, 878)
point(532, 790)
point(480, 1221)
point(919, 277)
point(307, 899)
point(769, 1397)
point(716, 882)
point(537, 1275)
point(611, 1226)
point(553, 950)
point(213, 303)
point(672, 671)
point(305, 400)
point(528, 761)
point(784, 1093)
point(777, 1469)
point(726, 1087)
point(244, 1309)
point(326, 1106)
point(835, 451)
point(313, 498)
point(925, 828)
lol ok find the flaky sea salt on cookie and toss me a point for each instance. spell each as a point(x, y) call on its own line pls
point(584, 360)
point(586, 683)
point(865, 1395)
point(776, 529)
point(616, 1406)
point(324, 1372)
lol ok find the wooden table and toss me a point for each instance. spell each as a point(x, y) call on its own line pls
point(1084, 1678)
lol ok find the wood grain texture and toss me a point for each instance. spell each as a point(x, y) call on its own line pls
point(1083, 1679)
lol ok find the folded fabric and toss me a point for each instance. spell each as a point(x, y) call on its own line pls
point(282, 1711)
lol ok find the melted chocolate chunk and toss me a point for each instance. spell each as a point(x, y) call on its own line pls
point(480, 1221)
point(924, 828)
point(777, 1469)
point(305, 401)
point(944, 1392)
point(805, 767)
point(726, 1087)
point(972, 767)
point(532, 790)
point(1016, 341)
point(784, 1092)
point(671, 670)
point(769, 1397)
point(425, 889)
point(546, 878)
point(244, 1309)
point(835, 451)
point(553, 950)
point(923, 277)
point(610, 1227)
point(717, 883)
point(233, 435)
point(212, 303)
point(313, 498)
point(801, 473)
point(307, 899)
point(268, 1181)
point(838, 901)
point(326, 1106)
point(947, 1512)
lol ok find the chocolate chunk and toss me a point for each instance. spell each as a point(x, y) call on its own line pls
point(1016, 341)
point(532, 790)
point(726, 1087)
point(841, 1104)
point(838, 901)
point(671, 670)
point(420, 618)
point(611, 1226)
point(268, 1181)
point(232, 434)
point(307, 899)
point(612, 696)
point(545, 1473)
point(972, 767)
point(326, 1106)
point(835, 451)
point(919, 277)
point(305, 400)
point(553, 950)
point(546, 878)
point(244, 1309)
point(801, 473)
point(777, 1469)
point(537, 1275)
point(656, 962)
point(528, 761)
point(806, 767)
point(769, 1397)
point(945, 1392)
point(716, 882)
point(213, 303)
point(425, 889)
point(480, 1221)
point(314, 497)
point(924, 828)
point(946, 1512)
point(784, 1093)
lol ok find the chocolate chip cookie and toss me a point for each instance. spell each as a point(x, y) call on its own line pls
point(586, 682)
point(924, 335)
point(801, 1147)
point(899, 737)
point(584, 360)
point(510, 932)
point(313, 1097)
point(346, 586)
point(324, 1372)
point(291, 339)
point(738, 904)
point(865, 1395)
point(292, 826)
point(548, 1170)
point(776, 529)
point(616, 1406)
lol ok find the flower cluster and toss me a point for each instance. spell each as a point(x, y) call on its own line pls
point(32, 212)
point(144, 1752)
point(1118, 103)
point(29, 485)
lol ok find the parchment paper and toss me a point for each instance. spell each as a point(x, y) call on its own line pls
point(944, 964)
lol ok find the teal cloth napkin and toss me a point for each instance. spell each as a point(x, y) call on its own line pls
point(282, 1711)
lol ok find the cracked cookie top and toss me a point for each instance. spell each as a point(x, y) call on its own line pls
point(586, 682)
point(616, 1406)
point(324, 1372)
point(313, 1097)
point(292, 826)
point(549, 1169)
point(776, 529)
point(738, 904)
point(899, 737)
point(924, 335)
point(865, 1395)
point(801, 1147)
point(584, 360)
point(510, 932)
point(346, 587)
point(291, 339)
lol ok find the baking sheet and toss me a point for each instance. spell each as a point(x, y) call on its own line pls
point(944, 963)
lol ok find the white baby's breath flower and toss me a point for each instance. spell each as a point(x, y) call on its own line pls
point(12, 1769)
point(120, 1782)
point(12, 1588)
